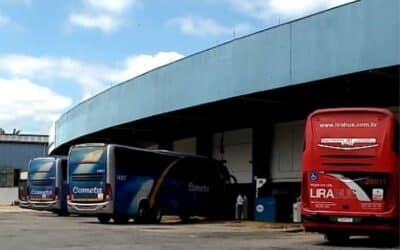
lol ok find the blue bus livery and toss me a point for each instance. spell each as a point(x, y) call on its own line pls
point(120, 182)
point(47, 180)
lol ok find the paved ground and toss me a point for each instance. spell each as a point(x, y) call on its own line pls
point(22, 229)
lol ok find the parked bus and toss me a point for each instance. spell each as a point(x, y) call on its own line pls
point(350, 173)
point(120, 182)
point(22, 190)
point(47, 180)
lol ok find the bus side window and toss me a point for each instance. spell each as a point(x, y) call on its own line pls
point(176, 171)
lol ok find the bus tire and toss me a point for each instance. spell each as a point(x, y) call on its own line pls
point(184, 217)
point(157, 215)
point(143, 213)
point(386, 239)
point(104, 218)
point(63, 213)
point(120, 219)
point(336, 237)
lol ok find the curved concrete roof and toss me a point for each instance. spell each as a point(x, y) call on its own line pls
point(355, 37)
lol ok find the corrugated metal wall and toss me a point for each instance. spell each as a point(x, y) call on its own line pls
point(17, 155)
point(353, 38)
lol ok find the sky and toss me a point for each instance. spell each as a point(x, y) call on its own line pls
point(55, 54)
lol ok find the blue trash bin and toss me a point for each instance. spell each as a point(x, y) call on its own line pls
point(265, 209)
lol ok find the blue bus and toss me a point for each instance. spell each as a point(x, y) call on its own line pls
point(47, 180)
point(120, 182)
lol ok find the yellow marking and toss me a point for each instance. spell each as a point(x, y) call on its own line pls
point(41, 199)
point(86, 199)
point(159, 182)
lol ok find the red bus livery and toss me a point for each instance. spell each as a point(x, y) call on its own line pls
point(350, 173)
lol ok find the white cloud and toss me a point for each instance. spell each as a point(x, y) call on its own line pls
point(284, 10)
point(105, 23)
point(200, 26)
point(22, 100)
point(27, 105)
point(104, 15)
point(137, 65)
point(91, 78)
point(114, 6)
point(4, 20)
point(20, 64)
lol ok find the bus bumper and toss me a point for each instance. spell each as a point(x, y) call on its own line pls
point(24, 204)
point(357, 225)
point(45, 205)
point(91, 208)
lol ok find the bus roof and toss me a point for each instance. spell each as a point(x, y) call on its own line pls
point(50, 157)
point(358, 109)
point(153, 151)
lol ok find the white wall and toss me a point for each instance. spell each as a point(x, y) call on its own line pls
point(237, 153)
point(287, 148)
point(187, 145)
point(7, 195)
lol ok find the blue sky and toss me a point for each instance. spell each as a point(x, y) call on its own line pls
point(54, 54)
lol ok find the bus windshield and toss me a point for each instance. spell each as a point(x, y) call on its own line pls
point(87, 163)
point(42, 171)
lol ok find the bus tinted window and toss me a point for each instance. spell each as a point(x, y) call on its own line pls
point(42, 169)
point(87, 154)
point(138, 163)
point(85, 162)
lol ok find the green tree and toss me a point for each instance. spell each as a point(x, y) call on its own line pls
point(16, 132)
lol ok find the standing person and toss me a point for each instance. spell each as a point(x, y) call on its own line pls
point(239, 206)
point(245, 207)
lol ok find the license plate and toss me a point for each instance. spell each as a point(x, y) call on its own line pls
point(345, 219)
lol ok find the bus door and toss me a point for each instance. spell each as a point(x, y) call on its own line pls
point(201, 182)
point(174, 197)
point(136, 173)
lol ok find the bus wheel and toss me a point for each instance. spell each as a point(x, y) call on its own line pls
point(184, 217)
point(157, 215)
point(104, 218)
point(63, 213)
point(120, 219)
point(143, 214)
point(386, 239)
point(336, 237)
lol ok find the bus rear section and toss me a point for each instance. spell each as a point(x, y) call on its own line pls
point(45, 184)
point(22, 190)
point(350, 176)
point(90, 190)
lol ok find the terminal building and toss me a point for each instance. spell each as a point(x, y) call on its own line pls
point(16, 150)
point(15, 153)
point(246, 101)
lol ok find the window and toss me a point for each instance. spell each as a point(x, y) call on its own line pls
point(140, 163)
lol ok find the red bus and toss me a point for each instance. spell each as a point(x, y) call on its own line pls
point(350, 173)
